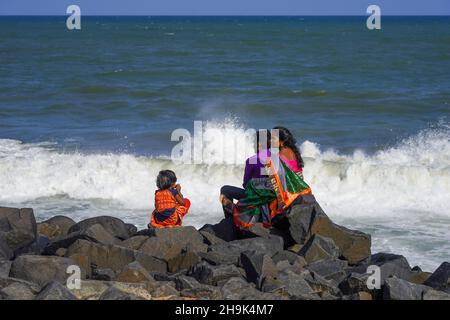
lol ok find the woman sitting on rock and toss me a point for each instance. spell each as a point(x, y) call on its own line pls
point(271, 185)
point(254, 169)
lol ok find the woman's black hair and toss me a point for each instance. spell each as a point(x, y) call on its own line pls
point(289, 141)
point(260, 138)
point(165, 179)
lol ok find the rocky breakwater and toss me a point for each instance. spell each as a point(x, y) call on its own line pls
point(307, 257)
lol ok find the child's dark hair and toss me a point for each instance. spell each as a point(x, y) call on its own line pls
point(165, 179)
point(289, 141)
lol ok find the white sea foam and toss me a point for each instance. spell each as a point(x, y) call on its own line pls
point(388, 192)
point(413, 175)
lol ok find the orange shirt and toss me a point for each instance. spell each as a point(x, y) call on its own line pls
point(168, 212)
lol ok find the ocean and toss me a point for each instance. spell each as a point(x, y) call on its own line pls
point(86, 116)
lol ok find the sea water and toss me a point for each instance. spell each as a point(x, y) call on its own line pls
point(86, 116)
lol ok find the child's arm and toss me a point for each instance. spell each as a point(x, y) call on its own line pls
point(179, 197)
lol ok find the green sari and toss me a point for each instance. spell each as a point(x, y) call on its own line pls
point(269, 196)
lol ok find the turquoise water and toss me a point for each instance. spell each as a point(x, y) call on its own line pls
point(86, 116)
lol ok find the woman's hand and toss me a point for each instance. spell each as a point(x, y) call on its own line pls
point(178, 187)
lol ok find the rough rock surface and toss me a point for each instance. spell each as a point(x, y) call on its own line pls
point(307, 218)
point(55, 226)
point(354, 246)
point(94, 232)
point(5, 267)
point(296, 287)
point(224, 230)
point(258, 267)
point(392, 265)
point(114, 257)
point(399, 289)
point(330, 269)
point(17, 289)
point(354, 283)
point(134, 272)
point(114, 293)
point(440, 279)
point(432, 294)
point(237, 288)
point(114, 226)
point(212, 275)
point(319, 248)
point(55, 291)
point(18, 231)
point(41, 269)
point(306, 256)
point(167, 244)
point(93, 290)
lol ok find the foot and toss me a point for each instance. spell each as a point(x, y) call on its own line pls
point(224, 200)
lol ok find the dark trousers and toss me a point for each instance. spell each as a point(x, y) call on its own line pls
point(231, 193)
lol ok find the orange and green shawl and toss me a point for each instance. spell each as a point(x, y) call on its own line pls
point(269, 196)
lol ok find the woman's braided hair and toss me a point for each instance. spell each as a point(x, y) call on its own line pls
point(289, 141)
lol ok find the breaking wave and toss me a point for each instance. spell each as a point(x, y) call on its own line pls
point(414, 175)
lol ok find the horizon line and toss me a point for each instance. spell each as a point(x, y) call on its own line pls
point(225, 15)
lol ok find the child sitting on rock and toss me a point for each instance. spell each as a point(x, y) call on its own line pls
point(170, 206)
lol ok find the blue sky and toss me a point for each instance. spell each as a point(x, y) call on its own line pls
point(225, 7)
